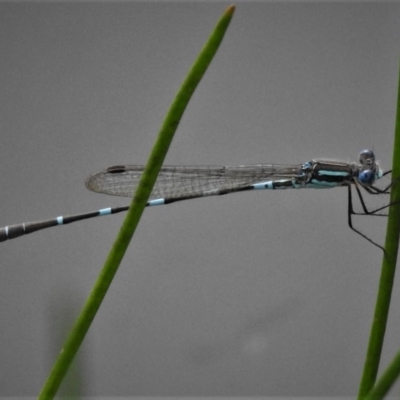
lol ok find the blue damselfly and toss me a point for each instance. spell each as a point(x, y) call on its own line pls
point(177, 183)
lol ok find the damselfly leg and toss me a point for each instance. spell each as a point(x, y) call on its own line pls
point(366, 211)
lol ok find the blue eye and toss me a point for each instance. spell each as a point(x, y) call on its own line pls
point(366, 177)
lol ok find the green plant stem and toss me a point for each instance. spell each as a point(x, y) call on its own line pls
point(140, 199)
point(387, 273)
point(386, 381)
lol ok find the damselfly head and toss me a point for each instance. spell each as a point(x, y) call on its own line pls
point(367, 157)
point(366, 176)
point(369, 170)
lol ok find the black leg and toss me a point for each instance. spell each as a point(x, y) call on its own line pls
point(372, 190)
point(375, 190)
point(350, 212)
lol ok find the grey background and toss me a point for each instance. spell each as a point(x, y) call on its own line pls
point(265, 293)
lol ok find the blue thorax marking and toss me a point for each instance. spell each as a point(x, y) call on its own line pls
point(333, 173)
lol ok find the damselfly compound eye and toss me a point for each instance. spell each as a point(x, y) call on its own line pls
point(367, 157)
point(366, 177)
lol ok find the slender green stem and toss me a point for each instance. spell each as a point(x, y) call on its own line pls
point(387, 273)
point(140, 199)
point(386, 381)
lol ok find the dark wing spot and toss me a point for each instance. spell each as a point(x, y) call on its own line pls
point(117, 169)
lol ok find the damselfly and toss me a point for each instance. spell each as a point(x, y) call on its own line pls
point(176, 183)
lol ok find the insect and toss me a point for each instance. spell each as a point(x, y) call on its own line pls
point(177, 183)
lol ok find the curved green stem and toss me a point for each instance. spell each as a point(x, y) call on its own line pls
point(387, 273)
point(386, 381)
point(140, 199)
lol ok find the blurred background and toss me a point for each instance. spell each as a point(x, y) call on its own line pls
point(262, 294)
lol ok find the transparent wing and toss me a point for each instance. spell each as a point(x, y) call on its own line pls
point(178, 181)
